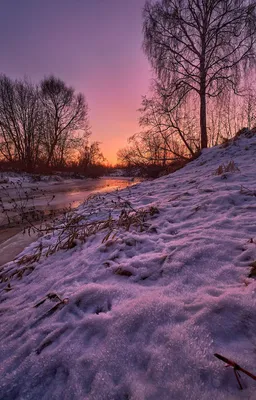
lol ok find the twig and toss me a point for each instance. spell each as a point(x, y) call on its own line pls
point(247, 191)
point(236, 368)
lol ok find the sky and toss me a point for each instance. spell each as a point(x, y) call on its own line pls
point(93, 45)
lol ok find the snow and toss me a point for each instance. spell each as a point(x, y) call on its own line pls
point(42, 196)
point(39, 193)
point(140, 315)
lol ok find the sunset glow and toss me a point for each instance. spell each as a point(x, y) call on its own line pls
point(93, 45)
point(127, 199)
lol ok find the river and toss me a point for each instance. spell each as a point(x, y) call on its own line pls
point(46, 196)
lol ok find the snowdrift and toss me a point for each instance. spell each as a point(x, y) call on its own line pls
point(140, 314)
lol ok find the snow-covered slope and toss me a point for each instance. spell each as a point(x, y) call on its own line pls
point(145, 311)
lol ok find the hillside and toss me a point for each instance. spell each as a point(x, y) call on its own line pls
point(141, 312)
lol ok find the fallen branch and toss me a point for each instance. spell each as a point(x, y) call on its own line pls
point(237, 368)
point(247, 191)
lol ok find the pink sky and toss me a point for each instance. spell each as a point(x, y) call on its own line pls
point(93, 45)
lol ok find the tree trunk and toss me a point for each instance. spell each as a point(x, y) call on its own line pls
point(203, 127)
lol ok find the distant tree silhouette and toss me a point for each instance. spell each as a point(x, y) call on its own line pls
point(200, 46)
point(90, 155)
point(45, 126)
point(20, 121)
point(64, 113)
point(173, 124)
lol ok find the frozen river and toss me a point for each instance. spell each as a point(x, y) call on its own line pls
point(72, 192)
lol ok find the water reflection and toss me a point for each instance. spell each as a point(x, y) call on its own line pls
point(55, 196)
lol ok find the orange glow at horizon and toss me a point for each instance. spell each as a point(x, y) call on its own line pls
point(113, 109)
point(113, 136)
point(100, 55)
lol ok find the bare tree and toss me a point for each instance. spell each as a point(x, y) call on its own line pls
point(200, 46)
point(169, 132)
point(173, 120)
point(20, 117)
point(90, 155)
point(65, 112)
point(146, 149)
point(46, 125)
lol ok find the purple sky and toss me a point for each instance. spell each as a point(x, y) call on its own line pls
point(94, 45)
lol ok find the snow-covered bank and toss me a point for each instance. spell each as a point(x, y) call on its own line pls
point(19, 195)
point(141, 315)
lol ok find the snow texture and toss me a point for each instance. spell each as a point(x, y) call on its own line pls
point(144, 312)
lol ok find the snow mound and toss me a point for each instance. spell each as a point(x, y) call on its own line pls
point(140, 315)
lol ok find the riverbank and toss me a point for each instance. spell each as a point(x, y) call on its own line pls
point(156, 280)
point(68, 193)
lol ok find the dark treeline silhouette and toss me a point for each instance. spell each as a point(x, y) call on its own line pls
point(202, 53)
point(45, 127)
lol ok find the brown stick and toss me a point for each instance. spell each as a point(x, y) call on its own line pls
point(236, 368)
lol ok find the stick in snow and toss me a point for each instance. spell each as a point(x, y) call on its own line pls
point(236, 369)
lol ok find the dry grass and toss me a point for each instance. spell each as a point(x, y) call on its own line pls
point(253, 270)
point(74, 229)
point(224, 168)
point(246, 132)
point(17, 205)
point(122, 272)
point(247, 192)
point(16, 273)
point(225, 142)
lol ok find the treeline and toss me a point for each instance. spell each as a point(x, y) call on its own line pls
point(45, 126)
point(203, 56)
point(169, 136)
